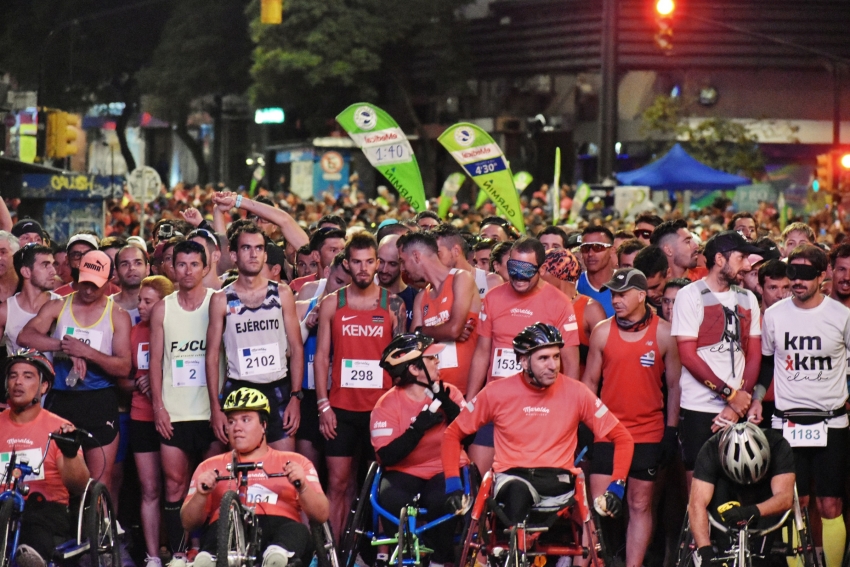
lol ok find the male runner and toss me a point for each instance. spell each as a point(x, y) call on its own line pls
point(8, 278)
point(668, 300)
point(795, 234)
point(645, 225)
point(839, 261)
point(496, 228)
point(552, 238)
point(717, 327)
point(34, 264)
point(805, 341)
point(357, 322)
point(597, 252)
point(77, 246)
point(626, 252)
point(744, 223)
point(389, 275)
point(210, 243)
point(652, 262)
point(453, 250)
point(132, 268)
point(95, 336)
point(677, 242)
point(28, 231)
point(181, 403)
point(255, 320)
point(427, 220)
point(447, 309)
point(774, 284)
point(633, 350)
point(325, 243)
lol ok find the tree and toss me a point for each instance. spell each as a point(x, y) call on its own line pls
point(327, 55)
point(717, 142)
point(89, 54)
point(204, 51)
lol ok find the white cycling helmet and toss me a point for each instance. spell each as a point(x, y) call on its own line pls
point(744, 453)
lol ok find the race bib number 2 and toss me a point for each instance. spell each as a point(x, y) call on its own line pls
point(362, 374)
point(188, 373)
point(505, 363)
point(798, 435)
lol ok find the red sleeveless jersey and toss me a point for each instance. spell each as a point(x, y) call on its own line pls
point(631, 384)
point(456, 357)
point(359, 338)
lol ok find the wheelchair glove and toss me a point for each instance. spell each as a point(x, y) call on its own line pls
point(69, 443)
point(704, 556)
point(448, 405)
point(669, 444)
point(454, 494)
point(740, 516)
point(611, 503)
point(426, 420)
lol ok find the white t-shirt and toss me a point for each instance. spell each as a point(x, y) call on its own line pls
point(810, 356)
point(687, 318)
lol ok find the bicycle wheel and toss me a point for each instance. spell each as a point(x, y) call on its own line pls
point(7, 533)
point(323, 540)
point(358, 516)
point(232, 547)
point(101, 528)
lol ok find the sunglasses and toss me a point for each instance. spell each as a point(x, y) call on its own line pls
point(802, 272)
point(519, 270)
point(643, 233)
point(595, 247)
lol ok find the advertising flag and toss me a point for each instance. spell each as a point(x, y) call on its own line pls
point(387, 149)
point(483, 160)
point(447, 196)
point(555, 190)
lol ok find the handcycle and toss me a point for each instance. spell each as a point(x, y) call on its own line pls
point(363, 522)
point(571, 530)
point(97, 529)
point(238, 536)
point(740, 553)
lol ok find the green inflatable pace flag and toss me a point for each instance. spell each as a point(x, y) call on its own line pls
point(448, 194)
point(387, 149)
point(522, 179)
point(483, 160)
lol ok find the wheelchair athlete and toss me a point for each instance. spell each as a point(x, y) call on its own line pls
point(407, 429)
point(743, 476)
point(536, 414)
point(278, 503)
point(24, 428)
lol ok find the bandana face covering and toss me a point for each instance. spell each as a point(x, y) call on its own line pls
point(519, 270)
point(635, 326)
point(802, 272)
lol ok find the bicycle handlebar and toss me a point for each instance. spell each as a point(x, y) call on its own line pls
point(760, 532)
point(237, 469)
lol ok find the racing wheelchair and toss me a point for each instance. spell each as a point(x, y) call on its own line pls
point(570, 530)
point(364, 523)
point(238, 537)
point(97, 529)
point(747, 543)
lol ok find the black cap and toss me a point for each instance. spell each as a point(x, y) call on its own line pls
point(26, 226)
point(625, 279)
point(573, 240)
point(730, 241)
point(275, 255)
point(769, 248)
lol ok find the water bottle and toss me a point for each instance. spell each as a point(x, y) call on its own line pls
point(72, 378)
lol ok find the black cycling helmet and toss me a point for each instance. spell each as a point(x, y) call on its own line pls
point(34, 357)
point(404, 350)
point(537, 336)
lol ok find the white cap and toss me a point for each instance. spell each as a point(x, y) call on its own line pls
point(89, 239)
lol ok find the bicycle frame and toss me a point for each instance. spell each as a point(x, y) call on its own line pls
point(739, 553)
point(14, 489)
point(411, 512)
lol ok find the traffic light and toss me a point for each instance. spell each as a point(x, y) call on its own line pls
point(61, 134)
point(825, 173)
point(271, 11)
point(664, 10)
point(843, 170)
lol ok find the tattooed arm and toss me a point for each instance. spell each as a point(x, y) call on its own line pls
point(399, 314)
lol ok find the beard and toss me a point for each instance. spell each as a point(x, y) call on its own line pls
point(362, 284)
point(730, 277)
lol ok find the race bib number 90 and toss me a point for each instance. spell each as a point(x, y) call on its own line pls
point(91, 337)
point(257, 360)
point(188, 373)
point(797, 435)
point(505, 363)
point(362, 374)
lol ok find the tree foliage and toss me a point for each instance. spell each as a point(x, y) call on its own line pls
point(717, 142)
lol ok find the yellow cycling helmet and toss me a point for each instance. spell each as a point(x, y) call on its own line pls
point(247, 399)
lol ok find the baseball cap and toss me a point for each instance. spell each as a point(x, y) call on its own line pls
point(562, 264)
point(771, 251)
point(573, 240)
point(95, 267)
point(387, 222)
point(89, 239)
point(139, 242)
point(626, 278)
point(26, 226)
point(275, 255)
point(730, 241)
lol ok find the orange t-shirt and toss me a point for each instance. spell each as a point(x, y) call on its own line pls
point(296, 284)
point(29, 440)
point(272, 496)
point(534, 427)
point(141, 406)
point(392, 416)
point(456, 358)
point(697, 273)
point(505, 313)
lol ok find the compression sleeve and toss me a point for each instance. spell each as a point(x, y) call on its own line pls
point(400, 447)
point(766, 371)
point(451, 450)
point(700, 370)
point(624, 448)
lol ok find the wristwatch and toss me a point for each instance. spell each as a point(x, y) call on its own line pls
point(299, 394)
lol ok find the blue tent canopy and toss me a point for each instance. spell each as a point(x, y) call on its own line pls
point(677, 171)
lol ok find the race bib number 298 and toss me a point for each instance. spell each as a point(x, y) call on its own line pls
point(362, 374)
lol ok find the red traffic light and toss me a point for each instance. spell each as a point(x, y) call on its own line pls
point(665, 8)
point(845, 161)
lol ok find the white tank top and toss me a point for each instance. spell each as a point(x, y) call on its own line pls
point(16, 318)
point(320, 289)
point(481, 282)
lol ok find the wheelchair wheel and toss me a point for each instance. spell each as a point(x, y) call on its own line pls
point(807, 542)
point(232, 547)
point(684, 549)
point(358, 517)
point(323, 541)
point(599, 549)
point(476, 524)
point(7, 532)
point(101, 528)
